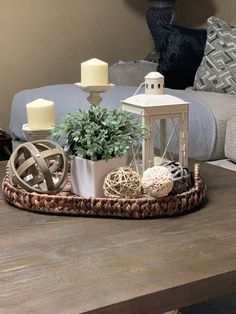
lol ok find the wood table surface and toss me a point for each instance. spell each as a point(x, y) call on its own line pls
point(61, 264)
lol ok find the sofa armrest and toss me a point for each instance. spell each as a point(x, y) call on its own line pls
point(223, 108)
point(230, 139)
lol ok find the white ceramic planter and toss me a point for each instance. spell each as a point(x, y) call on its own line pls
point(87, 177)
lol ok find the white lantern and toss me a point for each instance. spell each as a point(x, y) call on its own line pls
point(165, 115)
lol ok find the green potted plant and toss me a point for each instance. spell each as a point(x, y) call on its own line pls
point(97, 141)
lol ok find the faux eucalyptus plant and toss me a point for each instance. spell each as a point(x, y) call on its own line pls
point(99, 133)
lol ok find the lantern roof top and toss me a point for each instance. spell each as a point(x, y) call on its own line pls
point(154, 75)
point(143, 100)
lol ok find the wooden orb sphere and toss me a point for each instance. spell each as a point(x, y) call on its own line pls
point(181, 176)
point(39, 166)
point(122, 182)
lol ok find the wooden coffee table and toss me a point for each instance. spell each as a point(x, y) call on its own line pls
point(60, 264)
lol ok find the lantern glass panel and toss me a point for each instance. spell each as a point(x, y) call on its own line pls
point(166, 142)
point(164, 145)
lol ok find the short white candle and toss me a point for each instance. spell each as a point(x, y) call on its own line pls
point(94, 72)
point(41, 114)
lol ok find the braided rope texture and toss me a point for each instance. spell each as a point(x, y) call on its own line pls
point(66, 203)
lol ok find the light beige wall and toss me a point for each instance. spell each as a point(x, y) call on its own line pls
point(43, 42)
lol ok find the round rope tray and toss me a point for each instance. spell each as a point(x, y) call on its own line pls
point(66, 203)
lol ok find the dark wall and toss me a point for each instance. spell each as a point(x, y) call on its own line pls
point(194, 13)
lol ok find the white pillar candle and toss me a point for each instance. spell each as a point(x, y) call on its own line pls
point(94, 72)
point(41, 114)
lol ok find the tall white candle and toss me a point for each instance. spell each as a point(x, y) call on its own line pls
point(41, 114)
point(94, 72)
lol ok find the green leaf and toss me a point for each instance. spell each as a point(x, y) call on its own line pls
point(99, 133)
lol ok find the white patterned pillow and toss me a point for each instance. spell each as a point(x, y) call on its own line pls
point(217, 71)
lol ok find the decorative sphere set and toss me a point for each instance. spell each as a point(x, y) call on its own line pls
point(157, 181)
point(41, 166)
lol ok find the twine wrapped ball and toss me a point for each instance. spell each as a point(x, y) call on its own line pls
point(157, 181)
point(122, 182)
point(39, 166)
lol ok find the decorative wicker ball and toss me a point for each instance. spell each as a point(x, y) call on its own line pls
point(157, 181)
point(122, 182)
point(39, 166)
point(181, 176)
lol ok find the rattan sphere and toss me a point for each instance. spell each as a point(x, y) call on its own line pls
point(122, 182)
point(39, 166)
point(157, 181)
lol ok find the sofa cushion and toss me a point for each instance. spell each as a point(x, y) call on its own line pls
point(217, 72)
point(223, 107)
point(230, 139)
point(181, 50)
point(130, 73)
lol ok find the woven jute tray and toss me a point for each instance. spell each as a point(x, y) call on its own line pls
point(66, 203)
